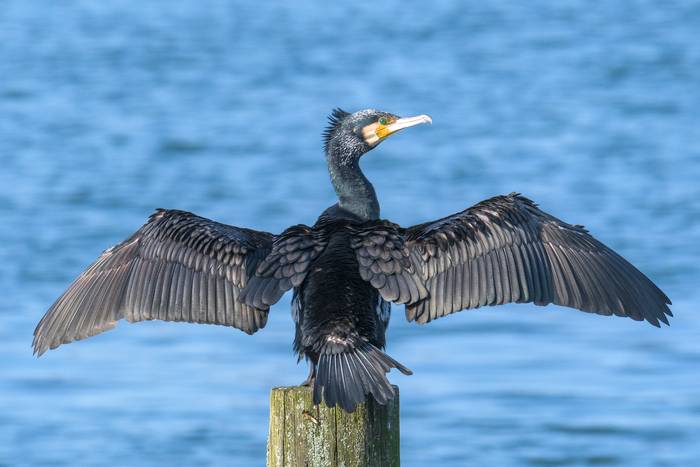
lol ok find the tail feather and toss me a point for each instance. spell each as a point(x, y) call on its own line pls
point(346, 374)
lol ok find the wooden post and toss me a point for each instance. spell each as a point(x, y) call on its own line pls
point(305, 435)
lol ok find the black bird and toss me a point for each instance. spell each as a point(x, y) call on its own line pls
point(346, 269)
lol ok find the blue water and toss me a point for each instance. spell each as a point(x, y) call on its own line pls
point(110, 109)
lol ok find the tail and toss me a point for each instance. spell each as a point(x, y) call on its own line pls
point(348, 370)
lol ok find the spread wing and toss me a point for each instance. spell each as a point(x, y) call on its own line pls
point(384, 261)
point(285, 267)
point(177, 267)
point(505, 249)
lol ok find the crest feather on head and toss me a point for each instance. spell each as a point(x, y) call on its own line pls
point(334, 120)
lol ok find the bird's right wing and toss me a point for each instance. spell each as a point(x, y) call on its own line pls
point(384, 261)
point(505, 249)
point(177, 267)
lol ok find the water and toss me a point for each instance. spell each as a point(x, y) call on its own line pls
point(110, 109)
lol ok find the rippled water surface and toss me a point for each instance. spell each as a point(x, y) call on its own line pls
point(110, 109)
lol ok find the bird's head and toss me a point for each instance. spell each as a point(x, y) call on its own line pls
point(350, 135)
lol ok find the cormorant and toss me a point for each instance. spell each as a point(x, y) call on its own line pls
point(346, 269)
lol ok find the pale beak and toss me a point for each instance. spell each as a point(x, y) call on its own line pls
point(407, 122)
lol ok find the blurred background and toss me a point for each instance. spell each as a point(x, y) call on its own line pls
point(111, 109)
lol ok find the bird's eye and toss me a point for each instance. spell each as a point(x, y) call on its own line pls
point(382, 121)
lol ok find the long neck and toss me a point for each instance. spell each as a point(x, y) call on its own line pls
point(355, 193)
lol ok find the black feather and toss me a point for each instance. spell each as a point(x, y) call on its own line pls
point(346, 378)
point(169, 269)
point(335, 119)
point(541, 260)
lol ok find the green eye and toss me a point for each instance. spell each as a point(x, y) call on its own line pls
point(382, 121)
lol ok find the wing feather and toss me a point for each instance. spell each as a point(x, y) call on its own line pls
point(286, 266)
point(177, 267)
point(384, 261)
point(506, 249)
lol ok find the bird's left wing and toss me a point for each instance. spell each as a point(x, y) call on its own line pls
point(177, 267)
point(286, 266)
point(505, 249)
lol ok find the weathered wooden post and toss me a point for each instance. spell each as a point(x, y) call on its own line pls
point(304, 435)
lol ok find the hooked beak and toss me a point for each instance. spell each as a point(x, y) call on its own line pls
point(376, 132)
point(407, 122)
